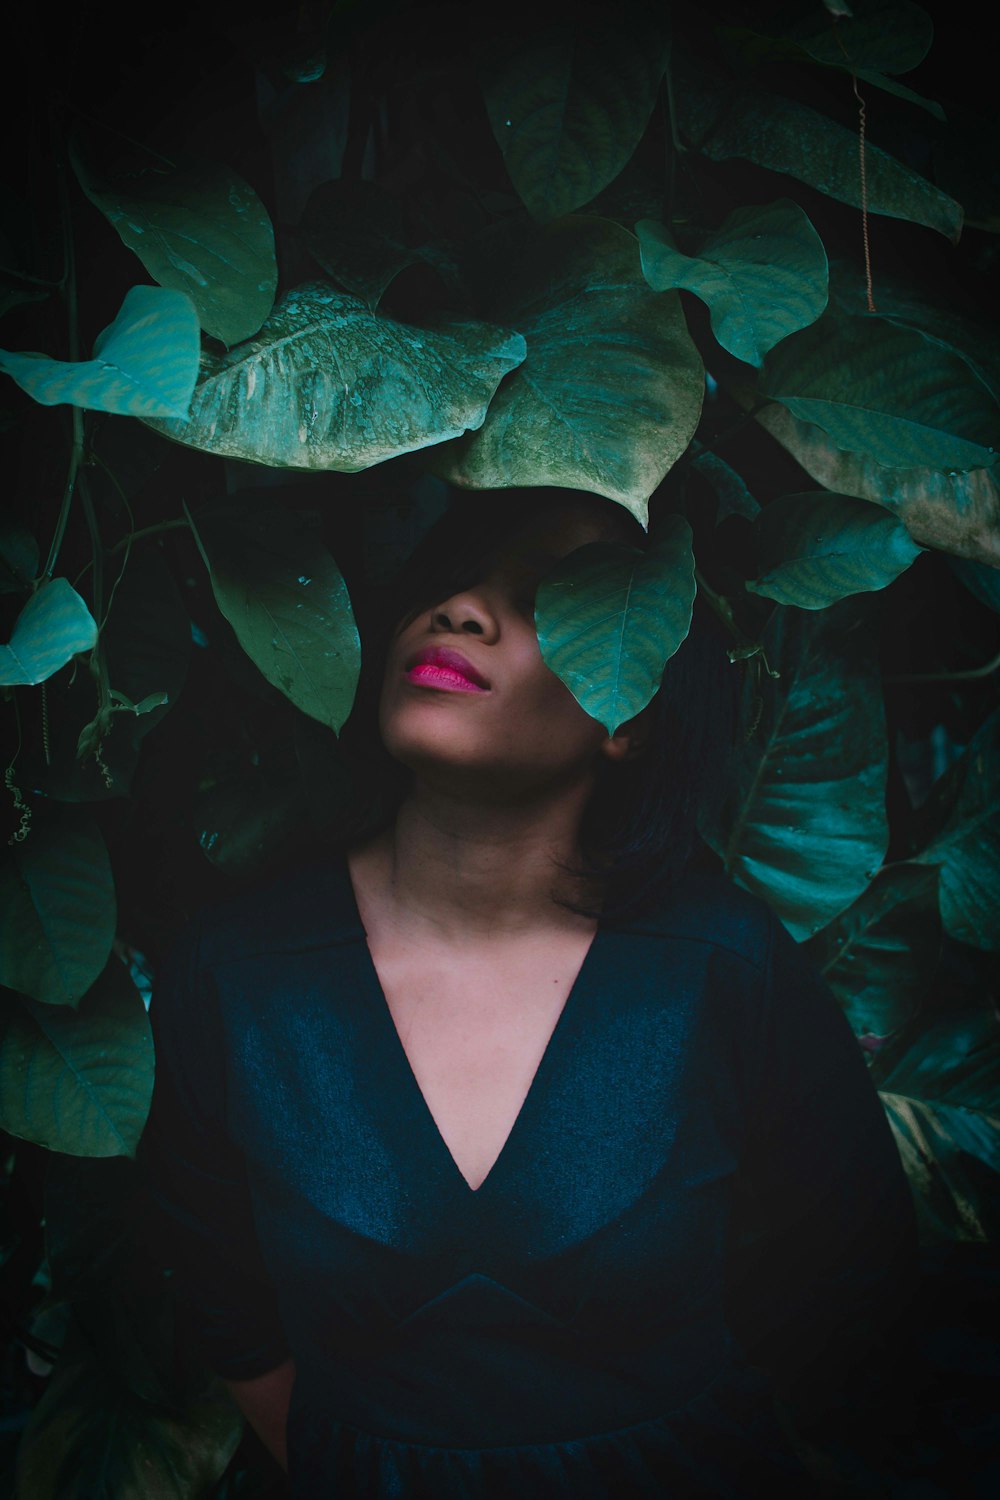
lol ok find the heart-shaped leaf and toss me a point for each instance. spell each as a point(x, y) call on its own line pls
point(967, 846)
point(58, 898)
point(53, 626)
point(92, 1435)
point(569, 99)
point(327, 384)
point(893, 38)
point(78, 1081)
point(940, 1085)
point(611, 390)
point(763, 275)
point(804, 823)
point(887, 392)
point(145, 363)
point(784, 136)
point(196, 226)
point(282, 593)
point(816, 548)
point(880, 954)
point(958, 513)
point(610, 616)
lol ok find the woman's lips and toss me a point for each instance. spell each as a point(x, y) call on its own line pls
point(438, 667)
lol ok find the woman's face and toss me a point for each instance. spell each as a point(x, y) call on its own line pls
point(465, 687)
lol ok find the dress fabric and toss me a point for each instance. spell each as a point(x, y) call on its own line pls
point(699, 1202)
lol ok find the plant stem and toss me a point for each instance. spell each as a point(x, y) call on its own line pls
point(136, 536)
point(720, 605)
point(968, 675)
point(69, 292)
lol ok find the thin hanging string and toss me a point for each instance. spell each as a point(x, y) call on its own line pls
point(863, 165)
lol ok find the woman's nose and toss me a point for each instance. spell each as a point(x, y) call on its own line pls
point(467, 613)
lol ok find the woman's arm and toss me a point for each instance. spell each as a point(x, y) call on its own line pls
point(264, 1402)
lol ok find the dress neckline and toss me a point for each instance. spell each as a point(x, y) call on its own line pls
point(532, 1105)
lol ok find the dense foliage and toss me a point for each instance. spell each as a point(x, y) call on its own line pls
point(717, 263)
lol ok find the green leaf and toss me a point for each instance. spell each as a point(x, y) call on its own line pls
point(78, 1081)
point(282, 593)
point(804, 823)
point(763, 275)
point(981, 581)
point(885, 391)
point(53, 627)
point(58, 897)
point(90, 1436)
point(611, 390)
point(892, 38)
point(816, 548)
point(569, 99)
point(959, 513)
point(731, 489)
point(327, 384)
point(610, 616)
point(724, 122)
point(196, 226)
point(880, 954)
point(940, 1085)
point(359, 234)
point(967, 846)
point(145, 363)
point(18, 556)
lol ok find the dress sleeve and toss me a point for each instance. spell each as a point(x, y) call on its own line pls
point(193, 1179)
point(824, 1262)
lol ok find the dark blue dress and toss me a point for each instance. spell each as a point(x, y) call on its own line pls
point(701, 1197)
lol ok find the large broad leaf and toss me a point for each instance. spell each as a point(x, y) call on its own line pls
point(78, 1081)
point(57, 895)
point(784, 136)
point(880, 954)
point(887, 392)
point(53, 626)
point(609, 617)
point(805, 822)
point(816, 548)
point(145, 363)
point(940, 1086)
point(967, 846)
point(958, 513)
point(763, 275)
point(282, 593)
point(327, 384)
point(569, 99)
point(610, 393)
point(358, 232)
point(92, 1438)
point(196, 227)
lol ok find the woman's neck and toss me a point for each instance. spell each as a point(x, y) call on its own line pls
point(454, 870)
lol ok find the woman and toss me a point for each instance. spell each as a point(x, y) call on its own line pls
point(520, 1151)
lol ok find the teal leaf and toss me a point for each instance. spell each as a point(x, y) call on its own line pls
point(966, 845)
point(569, 100)
point(145, 363)
point(940, 1084)
point(58, 897)
point(887, 392)
point(610, 393)
point(610, 616)
point(892, 38)
point(982, 581)
point(196, 226)
point(78, 1081)
point(804, 823)
point(880, 954)
point(53, 627)
point(817, 547)
point(282, 593)
point(18, 556)
point(733, 497)
point(328, 384)
point(785, 136)
point(763, 275)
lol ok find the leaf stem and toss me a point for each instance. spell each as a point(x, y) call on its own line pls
point(137, 536)
point(720, 605)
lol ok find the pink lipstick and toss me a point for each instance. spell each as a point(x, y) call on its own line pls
point(439, 667)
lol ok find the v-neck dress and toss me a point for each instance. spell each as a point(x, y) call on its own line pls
point(699, 1201)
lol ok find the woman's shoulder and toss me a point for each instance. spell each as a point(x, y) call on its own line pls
point(706, 906)
point(309, 904)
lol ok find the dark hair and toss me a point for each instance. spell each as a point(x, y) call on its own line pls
point(641, 827)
